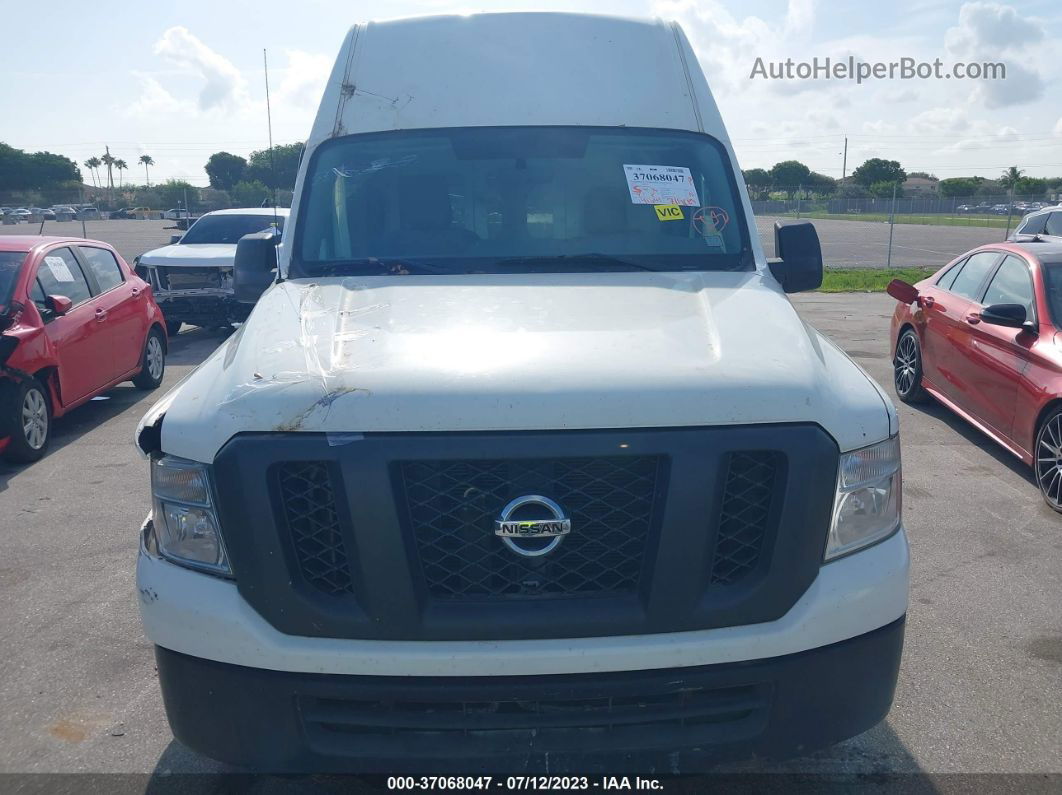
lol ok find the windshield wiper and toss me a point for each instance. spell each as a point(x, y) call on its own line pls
point(385, 266)
point(606, 261)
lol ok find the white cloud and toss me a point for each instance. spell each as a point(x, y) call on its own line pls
point(726, 46)
point(224, 87)
point(940, 121)
point(991, 26)
point(154, 99)
point(991, 32)
point(1058, 127)
point(304, 78)
point(898, 95)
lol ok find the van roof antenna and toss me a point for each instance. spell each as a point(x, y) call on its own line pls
point(269, 124)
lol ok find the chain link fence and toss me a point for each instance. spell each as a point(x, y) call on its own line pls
point(900, 231)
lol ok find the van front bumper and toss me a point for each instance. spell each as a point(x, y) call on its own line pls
point(673, 720)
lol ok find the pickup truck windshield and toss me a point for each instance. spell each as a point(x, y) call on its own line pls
point(519, 200)
point(228, 228)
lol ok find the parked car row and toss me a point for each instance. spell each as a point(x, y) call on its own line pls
point(1016, 208)
point(16, 214)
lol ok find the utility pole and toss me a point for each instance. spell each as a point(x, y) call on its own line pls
point(844, 161)
point(892, 223)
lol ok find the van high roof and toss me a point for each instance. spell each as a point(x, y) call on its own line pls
point(515, 69)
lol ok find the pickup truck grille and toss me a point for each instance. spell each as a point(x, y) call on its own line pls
point(189, 278)
point(452, 506)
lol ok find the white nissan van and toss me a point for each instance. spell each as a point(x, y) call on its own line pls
point(523, 460)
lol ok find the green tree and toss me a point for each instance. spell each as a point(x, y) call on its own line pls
point(107, 159)
point(225, 170)
point(884, 188)
point(172, 193)
point(1030, 186)
point(789, 175)
point(878, 170)
point(285, 164)
point(146, 161)
point(1009, 178)
point(758, 182)
point(960, 186)
point(21, 170)
point(92, 164)
point(121, 166)
point(820, 184)
point(250, 194)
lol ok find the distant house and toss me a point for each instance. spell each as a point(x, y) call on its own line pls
point(921, 186)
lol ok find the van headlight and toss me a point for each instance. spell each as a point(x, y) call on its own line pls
point(186, 524)
point(868, 502)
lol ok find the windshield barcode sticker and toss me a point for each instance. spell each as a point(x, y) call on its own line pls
point(661, 185)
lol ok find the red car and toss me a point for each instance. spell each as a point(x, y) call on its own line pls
point(982, 336)
point(74, 321)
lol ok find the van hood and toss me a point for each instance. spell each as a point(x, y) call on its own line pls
point(522, 352)
point(191, 255)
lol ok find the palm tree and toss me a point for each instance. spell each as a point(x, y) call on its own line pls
point(108, 160)
point(1010, 177)
point(92, 164)
point(121, 165)
point(147, 161)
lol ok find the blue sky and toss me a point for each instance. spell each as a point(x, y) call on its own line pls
point(181, 80)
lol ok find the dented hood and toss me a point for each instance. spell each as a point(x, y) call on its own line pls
point(522, 352)
point(191, 255)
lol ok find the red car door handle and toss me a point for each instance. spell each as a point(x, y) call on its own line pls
point(973, 318)
point(101, 314)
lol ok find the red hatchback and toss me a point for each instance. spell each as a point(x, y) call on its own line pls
point(982, 336)
point(74, 321)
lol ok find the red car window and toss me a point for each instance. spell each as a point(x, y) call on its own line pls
point(60, 274)
point(1011, 285)
point(968, 283)
point(104, 267)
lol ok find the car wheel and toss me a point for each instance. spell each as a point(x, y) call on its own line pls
point(1048, 459)
point(31, 426)
point(153, 365)
point(173, 327)
point(907, 368)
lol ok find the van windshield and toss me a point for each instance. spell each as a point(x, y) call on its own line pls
point(519, 200)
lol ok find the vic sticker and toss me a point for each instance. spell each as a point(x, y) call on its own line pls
point(668, 212)
point(661, 185)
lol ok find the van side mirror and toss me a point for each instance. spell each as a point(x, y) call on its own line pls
point(1009, 315)
point(58, 304)
point(254, 268)
point(175, 239)
point(798, 263)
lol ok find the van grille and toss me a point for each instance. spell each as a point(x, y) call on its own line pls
point(744, 519)
point(308, 497)
point(452, 505)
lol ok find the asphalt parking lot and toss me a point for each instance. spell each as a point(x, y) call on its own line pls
point(982, 670)
point(862, 244)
